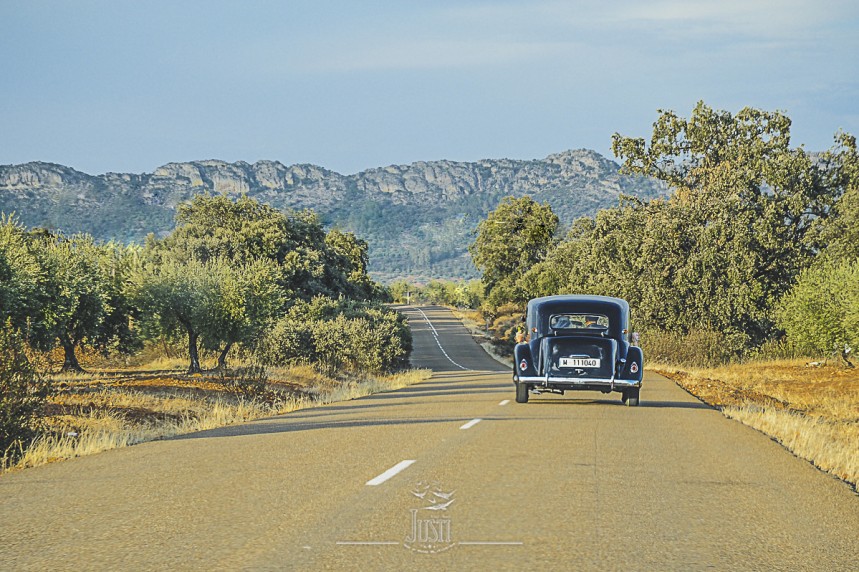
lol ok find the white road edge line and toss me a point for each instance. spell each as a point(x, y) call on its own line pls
point(471, 423)
point(389, 473)
point(505, 402)
point(491, 543)
point(368, 543)
point(437, 341)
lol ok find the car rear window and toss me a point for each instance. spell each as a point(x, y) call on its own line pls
point(578, 321)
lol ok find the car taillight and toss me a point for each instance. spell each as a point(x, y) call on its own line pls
point(523, 365)
point(634, 367)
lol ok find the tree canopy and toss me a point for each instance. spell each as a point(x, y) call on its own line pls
point(747, 215)
point(513, 238)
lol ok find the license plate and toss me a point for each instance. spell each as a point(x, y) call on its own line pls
point(579, 362)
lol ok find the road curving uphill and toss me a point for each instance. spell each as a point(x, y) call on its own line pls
point(449, 474)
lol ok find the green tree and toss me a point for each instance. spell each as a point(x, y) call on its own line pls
point(738, 227)
point(215, 304)
point(73, 297)
point(20, 275)
point(216, 227)
point(840, 232)
point(347, 265)
point(173, 295)
point(401, 291)
point(117, 265)
point(241, 301)
point(513, 238)
point(310, 261)
point(65, 291)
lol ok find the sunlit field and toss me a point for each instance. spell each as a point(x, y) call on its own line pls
point(108, 407)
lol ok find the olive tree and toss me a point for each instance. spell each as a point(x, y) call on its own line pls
point(214, 304)
point(173, 295)
point(241, 301)
point(73, 295)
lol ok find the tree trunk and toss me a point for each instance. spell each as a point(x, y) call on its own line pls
point(70, 363)
point(222, 359)
point(194, 367)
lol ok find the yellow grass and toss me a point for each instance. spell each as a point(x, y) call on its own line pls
point(812, 410)
point(831, 446)
point(97, 412)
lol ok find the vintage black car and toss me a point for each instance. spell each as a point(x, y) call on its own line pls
point(578, 342)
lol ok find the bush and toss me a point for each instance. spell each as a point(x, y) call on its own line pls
point(338, 336)
point(698, 348)
point(820, 314)
point(22, 391)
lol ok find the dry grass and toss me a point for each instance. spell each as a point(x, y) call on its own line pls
point(812, 411)
point(94, 412)
point(831, 446)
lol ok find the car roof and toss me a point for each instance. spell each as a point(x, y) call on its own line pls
point(584, 303)
point(540, 309)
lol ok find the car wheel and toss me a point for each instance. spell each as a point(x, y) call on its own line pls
point(521, 392)
point(630, 396)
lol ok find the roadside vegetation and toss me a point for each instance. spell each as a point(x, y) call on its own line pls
point(746, 272)
point(263, 297)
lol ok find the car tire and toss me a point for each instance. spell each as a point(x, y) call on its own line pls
point(521, 392)
point(630, 396)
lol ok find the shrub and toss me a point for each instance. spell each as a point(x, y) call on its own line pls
point(697, 348)
point(22, 391)
point(820, 314)
point(338, 336)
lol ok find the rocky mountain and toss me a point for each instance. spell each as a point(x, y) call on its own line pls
point(418, 218)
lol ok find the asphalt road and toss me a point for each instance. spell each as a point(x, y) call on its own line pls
point(577, 482)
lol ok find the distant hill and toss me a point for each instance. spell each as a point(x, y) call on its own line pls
point(417, 218)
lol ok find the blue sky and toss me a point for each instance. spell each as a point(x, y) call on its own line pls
point(127, 86)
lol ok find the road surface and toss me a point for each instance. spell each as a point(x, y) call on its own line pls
point(460, 478)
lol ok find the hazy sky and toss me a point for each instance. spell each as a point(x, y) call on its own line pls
point(128, 86)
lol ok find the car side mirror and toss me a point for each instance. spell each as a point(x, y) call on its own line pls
point(636, 338)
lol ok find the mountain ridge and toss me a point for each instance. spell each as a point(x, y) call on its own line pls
point(417, 218)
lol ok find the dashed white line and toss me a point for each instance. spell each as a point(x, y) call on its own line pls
point(389, 473)
point(471, 423)
point(437, 341)
point(505, 402)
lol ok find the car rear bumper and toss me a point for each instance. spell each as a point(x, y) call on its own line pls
point(580, 382)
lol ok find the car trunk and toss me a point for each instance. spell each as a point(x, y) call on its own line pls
point(582, 357)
